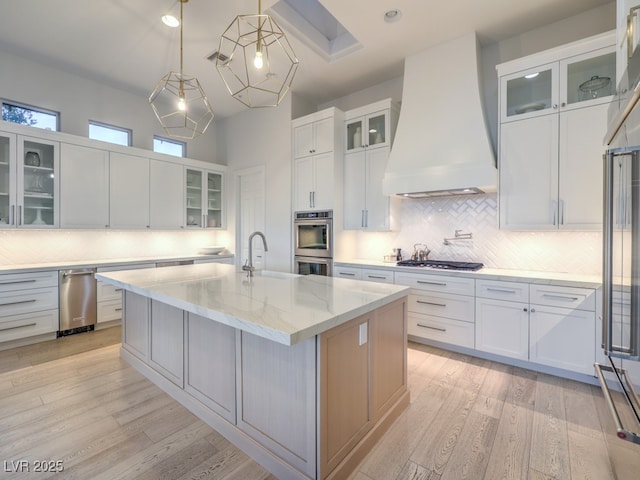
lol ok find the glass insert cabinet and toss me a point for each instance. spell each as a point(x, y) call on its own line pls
point(574, 82)
point(203, 202)
point(367, 131)
point(28, 182)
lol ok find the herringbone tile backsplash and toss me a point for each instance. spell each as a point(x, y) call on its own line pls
point(431, 220)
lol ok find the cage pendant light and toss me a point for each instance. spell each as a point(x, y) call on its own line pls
point(256, 61)
point(179, 101)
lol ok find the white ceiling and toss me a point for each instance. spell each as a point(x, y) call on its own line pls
point(124, 44)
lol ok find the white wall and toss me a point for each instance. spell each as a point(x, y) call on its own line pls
point(262, 137)
point(79, 100)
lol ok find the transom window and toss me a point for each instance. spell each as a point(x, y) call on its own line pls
point(109, 133)
point(170, 147)
point(30, 115)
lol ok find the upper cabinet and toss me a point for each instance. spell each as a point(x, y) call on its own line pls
point(553, 111)
point(203, 198)
point(29, 182)
point(316, 159)
point(128, 191)
point(365, 161)
point(165, 195)
point(627, 33)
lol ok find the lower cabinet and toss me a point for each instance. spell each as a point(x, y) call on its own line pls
point(166, 349)
point(135, 332)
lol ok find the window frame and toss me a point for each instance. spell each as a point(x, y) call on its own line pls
point(116, 128)
point(33, 108)
point(169, 140)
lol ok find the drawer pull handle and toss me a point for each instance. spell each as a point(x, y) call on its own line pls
point(18, 302)
point(348, 274)
point(431, 303)
point(561, 297)
point(432, 283)
point(500, 290)
point(118, 309)
point(19, 326)
point(432, 328)
point(33, 280)
point(73, 274)
point(377, 276)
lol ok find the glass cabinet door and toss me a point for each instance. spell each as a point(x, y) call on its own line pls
point(7, 180)
point(529, 93)
point(590, 77)
point(38, 162)
point(377, 129)
point(354, 132)
point(214, 200)
point(194, 198)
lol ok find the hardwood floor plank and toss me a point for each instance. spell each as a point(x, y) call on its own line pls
point(226, 464)
point(589, 458)
point(471, 454)
point(580, 410)
point(494, 390)
point(413, 471)
point(549, 442)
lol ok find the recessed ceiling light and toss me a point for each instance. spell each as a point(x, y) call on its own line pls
point(391, 16)
point(170, 21)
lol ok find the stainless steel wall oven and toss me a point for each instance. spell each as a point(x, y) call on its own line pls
point(313, 242)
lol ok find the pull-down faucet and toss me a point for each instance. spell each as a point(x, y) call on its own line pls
point(248, 266)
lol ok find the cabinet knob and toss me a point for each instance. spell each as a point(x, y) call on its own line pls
point(564, 104)
point(525, 309)
point(555, 105)
point(533, 310)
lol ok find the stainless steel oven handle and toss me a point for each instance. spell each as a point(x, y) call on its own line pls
point(73, 274)
point(607, 242)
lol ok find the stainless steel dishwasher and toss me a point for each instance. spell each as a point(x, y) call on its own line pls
point(77, 300)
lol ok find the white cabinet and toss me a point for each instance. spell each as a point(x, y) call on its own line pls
point(203, 198)
point(365, 161)
point(166, 341)
point(128, 191)
point(502, 318)
point(109, 297)
point(347, 272)
point(84, 187)
point(166, 195)
point(316, 141)
point(28, 304)
point(627, 33)
point(553, 110)
point(440, 307)
point(29, 182)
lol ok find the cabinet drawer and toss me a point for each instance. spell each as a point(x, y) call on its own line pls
point(26, 301)
point(510, 291)
point(347, 272)
point(109, 311)
point(437, 283)
point(566, 297)
point(23, 281)
point(441, 329)
point(106, 292)
point(381, 276)
point(458, 307)
point(28, 325)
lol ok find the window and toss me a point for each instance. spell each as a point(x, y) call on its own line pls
point(109, 133)
point(170, 147)
point(32, 116)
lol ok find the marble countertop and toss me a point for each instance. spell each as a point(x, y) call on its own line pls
point(282, 307)
point(63, 265)
point(545, 278)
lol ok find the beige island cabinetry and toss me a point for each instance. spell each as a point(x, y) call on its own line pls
point(304, 373)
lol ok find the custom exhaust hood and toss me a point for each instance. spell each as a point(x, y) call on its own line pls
point(442, 145)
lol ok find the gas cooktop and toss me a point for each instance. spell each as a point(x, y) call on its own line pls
point(441, 264)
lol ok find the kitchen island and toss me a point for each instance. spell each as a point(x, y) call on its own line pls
point(303, 373)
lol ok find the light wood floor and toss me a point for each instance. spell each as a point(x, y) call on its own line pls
point(468, 419)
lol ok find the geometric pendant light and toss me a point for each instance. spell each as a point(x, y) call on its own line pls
point(256, 61)
point(180, 103)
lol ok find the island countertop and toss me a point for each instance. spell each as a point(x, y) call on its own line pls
point(282, 307)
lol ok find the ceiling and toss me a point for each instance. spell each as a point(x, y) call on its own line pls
point(123, 43)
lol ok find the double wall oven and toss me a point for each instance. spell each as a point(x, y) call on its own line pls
point(313, 242)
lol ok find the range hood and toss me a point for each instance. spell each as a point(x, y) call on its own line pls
point(442, 146)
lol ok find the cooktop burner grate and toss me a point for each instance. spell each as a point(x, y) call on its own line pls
point(441, 264)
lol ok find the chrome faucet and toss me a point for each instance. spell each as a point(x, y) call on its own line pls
point(248, 266)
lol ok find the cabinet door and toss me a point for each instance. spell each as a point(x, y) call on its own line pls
point(303, 183)
point(135, 331)
point(7, 179)
point(562, 338)
point(166, 341)
point(580, 171)
point(354, 134)
point(128, 191)
point(528, 169)
point(214, 206)
point(323, 136)
point(588, 79)
point(165, 194)
point(323, 174)
point(354, 190)
point(378, 125)
point(377, 204)
point(502, 328)
point(529, 93)
point(303, 141)
point(84, 187)
point(38, 182)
